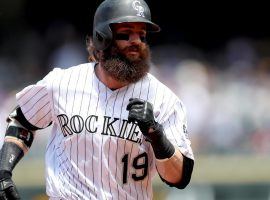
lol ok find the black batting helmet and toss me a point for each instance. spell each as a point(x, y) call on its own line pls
point(119, 11)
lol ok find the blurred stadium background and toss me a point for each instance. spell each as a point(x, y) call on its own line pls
point(216, 59)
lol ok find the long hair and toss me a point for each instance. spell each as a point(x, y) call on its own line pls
point(93, 53)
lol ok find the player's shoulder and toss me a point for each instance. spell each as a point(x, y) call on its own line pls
point(58, 72)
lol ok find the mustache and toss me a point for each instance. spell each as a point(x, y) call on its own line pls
point(133, 48)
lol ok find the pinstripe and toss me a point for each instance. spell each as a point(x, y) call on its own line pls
point(169, 104)
point(35, 103)
point(59, 135)
point(140, 90)
point(66, 109)
point(129, 162)
point(59, 93)
point(139, 149)
point(148, 178)
point(43, 118)
point(39, 110)
point(27, 92)
point(32, 96)
point(163, 96)
point(108, 163)
point(109, 178)
point(155, 98)
point(84, 171)
point(151, 162)
point(52, 140)
point(171, 131)
point(148, 90)
point(168, 109)
point(59, 156)
point(147, 96)
point(77, 136)
point(80, 112)
point(93, 150)
point(74, 97)
point(110, 145)
point(106, 100)
point(117, 140)
point(135, 185)
point(132, 95)
point(55, 135)
point(92, 140)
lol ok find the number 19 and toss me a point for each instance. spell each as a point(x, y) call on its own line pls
point(136, 165)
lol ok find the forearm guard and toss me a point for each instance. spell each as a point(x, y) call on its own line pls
point(18, 140)
point(10, 155)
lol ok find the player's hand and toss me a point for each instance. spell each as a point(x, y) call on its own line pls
point(8, 190)
point(141, 111)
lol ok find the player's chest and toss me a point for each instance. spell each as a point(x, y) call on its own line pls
point(102, 117)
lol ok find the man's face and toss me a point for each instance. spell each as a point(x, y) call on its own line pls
point(128, 58)
point(130, 38)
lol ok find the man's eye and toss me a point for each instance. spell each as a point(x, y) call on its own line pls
point(122, 36)
point(143, 38)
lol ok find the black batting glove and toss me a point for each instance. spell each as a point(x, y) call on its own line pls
point(141, 111)
point(8, 189)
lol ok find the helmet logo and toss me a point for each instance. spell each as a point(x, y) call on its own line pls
point(137, 6)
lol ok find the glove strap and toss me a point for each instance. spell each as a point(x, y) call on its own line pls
point(162, 147)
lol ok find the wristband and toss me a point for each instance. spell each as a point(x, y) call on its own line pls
point(162, 147)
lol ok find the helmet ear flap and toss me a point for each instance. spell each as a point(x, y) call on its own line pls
point(99, 37)
point(102, 39)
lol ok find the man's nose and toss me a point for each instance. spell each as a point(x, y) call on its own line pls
point(135, 38)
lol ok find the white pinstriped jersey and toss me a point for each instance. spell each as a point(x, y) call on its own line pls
point(93, 152)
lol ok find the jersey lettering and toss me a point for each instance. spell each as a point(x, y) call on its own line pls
point(76, 124)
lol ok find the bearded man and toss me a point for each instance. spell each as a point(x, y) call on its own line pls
point(114, 124)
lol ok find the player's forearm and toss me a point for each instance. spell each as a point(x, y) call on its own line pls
point(171, 169)
point(174, 168)
point(18, 140)
point(16, 145)
point(10, 154)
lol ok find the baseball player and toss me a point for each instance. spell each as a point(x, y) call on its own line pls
point(114, 125)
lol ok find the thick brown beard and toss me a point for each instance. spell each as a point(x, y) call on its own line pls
point(124, 69)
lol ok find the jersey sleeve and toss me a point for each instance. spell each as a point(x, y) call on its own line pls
point(175, 127)
point(35, 102)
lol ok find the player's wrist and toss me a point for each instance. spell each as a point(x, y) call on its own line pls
point(5, 174)
point(162, 147)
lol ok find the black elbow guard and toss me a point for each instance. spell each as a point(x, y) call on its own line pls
point(17, 142)
point(19, 116)
point(21, 134)
point(186, 176)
